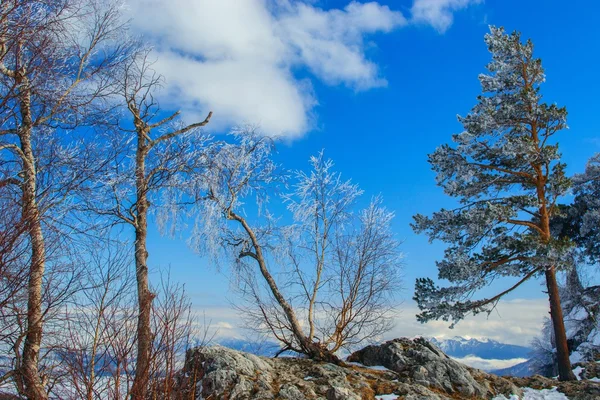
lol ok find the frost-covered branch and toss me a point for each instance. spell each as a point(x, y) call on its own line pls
point(508, 178)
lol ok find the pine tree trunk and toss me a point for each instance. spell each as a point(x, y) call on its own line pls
point(144, 333)
point(33, 385)
point(562, 350)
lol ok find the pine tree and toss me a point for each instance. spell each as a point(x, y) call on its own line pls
point(507, 177)
point(584, 213)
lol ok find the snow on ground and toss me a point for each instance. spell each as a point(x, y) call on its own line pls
point(378, 368)
point(375, 367)
point(386, 397)
point(533, 394)
point(577, 371)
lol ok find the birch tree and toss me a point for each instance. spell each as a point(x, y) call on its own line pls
point(150, 158)
point(51, 71)
point(345, 265)
point(237, 171)
point(321, 203)
point(316, 286)
point(91, 325)
point(506, 173)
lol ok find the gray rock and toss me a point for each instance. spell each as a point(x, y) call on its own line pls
point(230, 373)
point(341, 393)
point(419, 361)
point(290, 392)
point(417, 370)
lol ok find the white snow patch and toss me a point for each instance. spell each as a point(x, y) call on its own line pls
point(578, 313)
point(532, 394)
point(375, 367)
point(386, 397)
point(378, 368)
point(577, 371)
point(573, 320)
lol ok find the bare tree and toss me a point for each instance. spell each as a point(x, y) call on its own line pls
point(89, 322)
point(321, 203)
point(174, 330)
point(346, 266)
point(51, 69)
point(122, 348)
point(150, 161)
point(365, 278)
point(308, 274)
point(236, 171)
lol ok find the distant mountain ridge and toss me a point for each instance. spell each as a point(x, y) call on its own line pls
point(460, 347)
point(262, 348)
point(521, 370)
point(457, 347)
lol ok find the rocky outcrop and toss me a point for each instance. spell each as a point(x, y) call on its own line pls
point(420, 362)
point(414, 370)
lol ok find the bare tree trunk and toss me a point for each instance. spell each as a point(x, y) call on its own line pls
point(258, 256)
point(117, 376)
point(562, 350)
point(134, 84)
point(95, 344)
point(33, 385)
point(313, 297)
point(313, 350)
point(144, 339)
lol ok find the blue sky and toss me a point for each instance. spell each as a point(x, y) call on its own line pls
point(411, 75)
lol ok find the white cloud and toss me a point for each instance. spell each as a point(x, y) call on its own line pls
point(438, 13)
point(238, 58)
point(217, 321)
point(330, 43)
point(514, 321)
point(238, 92)
point(489, 364)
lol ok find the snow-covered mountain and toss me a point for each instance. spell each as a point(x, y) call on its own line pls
point(460, 347)
point(485, 354)
point(263, 348)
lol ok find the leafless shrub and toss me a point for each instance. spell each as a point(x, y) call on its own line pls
point(93, 325)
